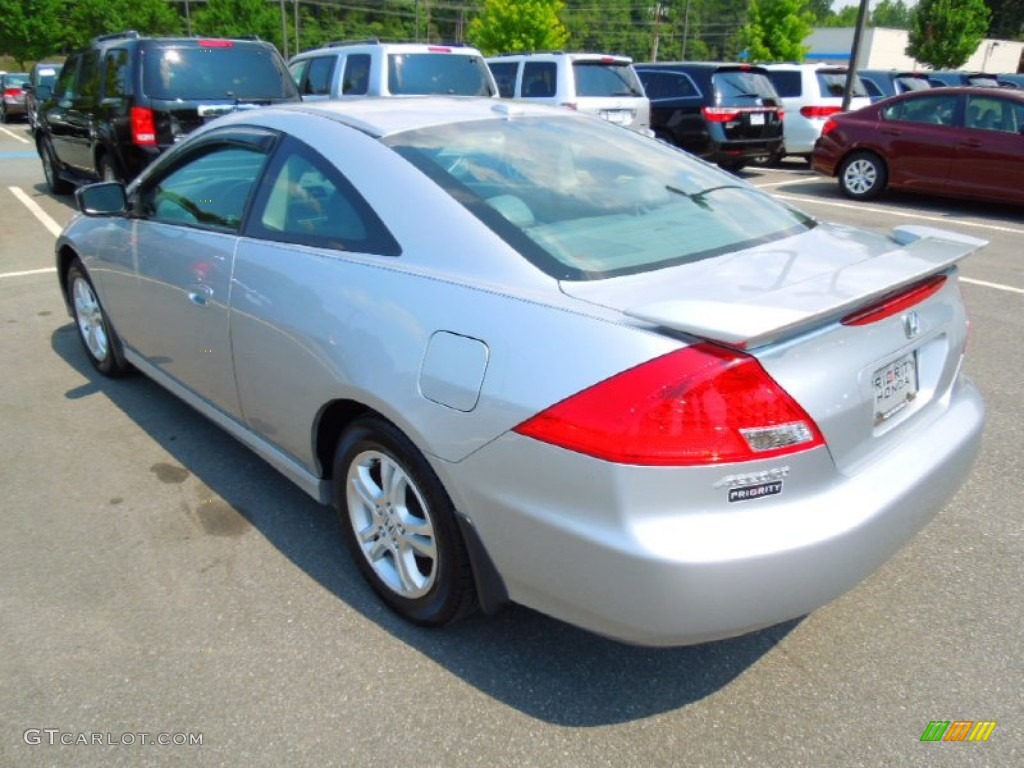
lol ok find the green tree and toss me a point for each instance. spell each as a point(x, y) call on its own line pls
point(84, 19)
point(944, 33)
point(775, 30)
point(844, 17)
point(518, 25)
point(1007, 19)
point(893, 14)
point(236, 18)
point(820, 8)
point(30, 29)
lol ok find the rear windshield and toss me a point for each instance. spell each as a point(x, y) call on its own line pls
point(422, 74)
point(585, 200)
point(47, 75)
point(602, 78)
point(740, 86)
point(226, 71)
point(911, 83)
point(833, 83)
point(15, 81)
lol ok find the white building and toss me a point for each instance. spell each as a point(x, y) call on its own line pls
point(882, 48)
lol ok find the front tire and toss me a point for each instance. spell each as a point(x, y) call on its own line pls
point(399, 525)
point(97, 335)
point(863, 176)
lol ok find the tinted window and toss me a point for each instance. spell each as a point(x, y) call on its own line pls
point(305, 200)
point(68, 79)
point(937, 110)
point(505, 75)
point(438, 73)
point(539, 79)
point(585, 200)
point(993, 114)
point(787, 84)
point(356, 81)
point(115, 74)
point(46, 75)
point(871, 88)
point(833, 83)
point(318, 78)
point(904, 84)
point(667, 85)
point(209, 191)
point(89, 78)
point(596, 78)
point(233, 71)
point(741, 86)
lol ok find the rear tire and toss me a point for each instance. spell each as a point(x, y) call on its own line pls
point(863, 176)
point(51, 169)
point(399, 525)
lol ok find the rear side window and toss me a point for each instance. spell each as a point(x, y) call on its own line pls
point(786, 83)
point(668, 85)
point(539, 79)
point(505, 75)
point(597, 78)
point(420, 74)
point(732, 87)
point(223, 71)
point(833, 83)
point(115, 74)
point(356, 80)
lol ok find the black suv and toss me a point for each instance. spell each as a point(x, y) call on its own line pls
point(729, 114)
point(123, 99)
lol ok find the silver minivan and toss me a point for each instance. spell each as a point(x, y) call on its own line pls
point(592, 83)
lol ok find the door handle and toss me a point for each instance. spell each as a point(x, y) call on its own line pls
point(200, 294)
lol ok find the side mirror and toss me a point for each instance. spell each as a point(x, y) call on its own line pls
point(28, 87)
point(104, 199)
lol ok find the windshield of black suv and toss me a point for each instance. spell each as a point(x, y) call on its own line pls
point(741, 85)
point(606, 78)
point(220, 69)
point(441, 73)
point(584, 200)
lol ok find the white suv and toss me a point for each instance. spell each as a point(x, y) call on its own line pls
point(372, 68)
point(811, 93)
point(592, 83)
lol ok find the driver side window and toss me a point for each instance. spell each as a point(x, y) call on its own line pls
point(209, 191)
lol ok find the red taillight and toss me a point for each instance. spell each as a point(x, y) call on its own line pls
point(143, 127)
point(701, 405)
point(12, 92)
point(216, 44)
point(819, 112)
point(829, 126)
point(891, 305)
point(720, 114)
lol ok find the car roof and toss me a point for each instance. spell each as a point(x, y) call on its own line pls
point(702, 65)
point(382, 117)
point(344, 46)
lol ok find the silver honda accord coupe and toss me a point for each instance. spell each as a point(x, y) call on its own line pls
point(530, 356)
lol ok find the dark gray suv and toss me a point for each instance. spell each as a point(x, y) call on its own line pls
point(123, 99)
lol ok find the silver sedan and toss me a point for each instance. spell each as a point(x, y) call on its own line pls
point(531, 356)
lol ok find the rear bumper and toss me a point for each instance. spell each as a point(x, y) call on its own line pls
point(639, 554)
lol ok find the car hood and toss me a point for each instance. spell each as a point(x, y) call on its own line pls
point(765, 294)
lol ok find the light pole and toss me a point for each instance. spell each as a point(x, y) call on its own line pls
point(988, 52)
point(284, 31)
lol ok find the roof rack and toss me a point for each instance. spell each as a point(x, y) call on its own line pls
point(365, 41)
point(128, 33)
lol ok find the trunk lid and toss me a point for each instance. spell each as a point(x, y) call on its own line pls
point(784, 303)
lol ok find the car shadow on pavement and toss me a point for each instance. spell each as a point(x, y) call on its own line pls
point(540, 666)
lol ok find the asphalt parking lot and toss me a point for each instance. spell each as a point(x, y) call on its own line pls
point(161, 586)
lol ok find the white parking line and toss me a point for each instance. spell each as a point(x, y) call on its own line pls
point(997, 286)
point(35, 210)
point(15, 136)
point(26, 272)
point(902, 213)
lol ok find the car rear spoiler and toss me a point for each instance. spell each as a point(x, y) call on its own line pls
point(797, 307)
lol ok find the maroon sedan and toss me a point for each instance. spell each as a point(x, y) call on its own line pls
point(960, 142)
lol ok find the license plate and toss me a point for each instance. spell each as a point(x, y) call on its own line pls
point(895, 387)
point(757, 118)
point(617, 116)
